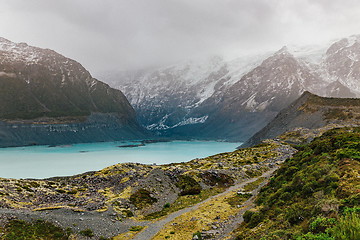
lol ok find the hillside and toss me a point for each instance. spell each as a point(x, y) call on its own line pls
point(311, 112)
point(314, 195)
point(43, 93)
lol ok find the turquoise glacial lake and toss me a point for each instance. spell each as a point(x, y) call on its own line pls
point(44, 161)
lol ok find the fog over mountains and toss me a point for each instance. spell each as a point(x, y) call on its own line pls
point(205, 99)
point(222, 99)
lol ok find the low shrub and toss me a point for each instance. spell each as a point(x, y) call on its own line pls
point(188, 185)
point(217, 179)
point(87, 233)
point(135, 228)
point(128, 213)
point(141, 198)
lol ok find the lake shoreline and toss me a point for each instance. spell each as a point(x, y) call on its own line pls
point(39, 162)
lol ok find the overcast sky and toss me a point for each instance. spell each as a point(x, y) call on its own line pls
point(128, 34)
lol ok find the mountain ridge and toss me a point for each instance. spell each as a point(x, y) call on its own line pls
point(41, 88)
point(240, 96)
point(309, 111)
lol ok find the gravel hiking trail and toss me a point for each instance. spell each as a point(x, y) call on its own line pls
point(154, 227)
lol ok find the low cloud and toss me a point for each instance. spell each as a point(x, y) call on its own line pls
point(123, 34)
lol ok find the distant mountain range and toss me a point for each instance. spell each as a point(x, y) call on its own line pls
point(232, 100)
point(47, 98)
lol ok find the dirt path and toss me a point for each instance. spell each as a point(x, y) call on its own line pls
point(238, 218)
point(154, 228)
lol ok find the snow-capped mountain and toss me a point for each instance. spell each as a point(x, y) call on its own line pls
point(164, 96)
point(233, 99)
point(342, 62)
point(47, 98)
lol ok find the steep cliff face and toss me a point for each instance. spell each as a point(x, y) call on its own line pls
point(46, 93)
point(98, 127)
point(309, 111)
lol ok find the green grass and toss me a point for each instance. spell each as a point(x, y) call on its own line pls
point(38, 229)
point(253, 185)
point(238, 199)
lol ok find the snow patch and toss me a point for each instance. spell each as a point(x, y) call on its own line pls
point(313, 54)
point(352, 40)
point(250, 102)
point(5, 74)
point(240, 66)
point(262, 106)
point(159, 126)
point(190, 121)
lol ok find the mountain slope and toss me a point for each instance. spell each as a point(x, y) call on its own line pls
point(170, 100)
point(260, 94)
point(221, 99)
point(309, 111)
point(342, 62)
point(314, 195)
point(39, 87)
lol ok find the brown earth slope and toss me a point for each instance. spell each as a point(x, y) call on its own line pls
point(310, 111)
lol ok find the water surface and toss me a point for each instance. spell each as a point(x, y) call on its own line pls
point(45, 161)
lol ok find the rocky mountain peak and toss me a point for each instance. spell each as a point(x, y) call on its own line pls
point(342, 62)
point(222, 98)
point(283, 50)
point(4, 40)
point(281, 57)
point(350, 43)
